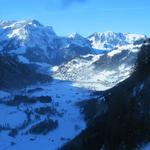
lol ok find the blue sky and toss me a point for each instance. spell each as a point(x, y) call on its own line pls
point(82, 16)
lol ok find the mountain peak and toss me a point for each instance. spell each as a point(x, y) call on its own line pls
point(79, 40)
point(28, 33)
point(33, 22)
point(75, 35)
point(106, 32)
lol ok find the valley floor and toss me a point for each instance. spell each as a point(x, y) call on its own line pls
point(70, 122)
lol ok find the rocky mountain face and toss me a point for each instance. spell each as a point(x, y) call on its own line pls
point(124, 123)
point(110, 40)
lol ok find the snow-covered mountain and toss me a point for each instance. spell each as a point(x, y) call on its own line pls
point(25, 38)
point(29, 33)
point(98, 72)
point(32, 42)
point(110, 40)
point(103, 71)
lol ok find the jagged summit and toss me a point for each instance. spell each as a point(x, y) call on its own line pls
point(36, 41)
point(75, 35)
point(79, 40)
point(110, 40)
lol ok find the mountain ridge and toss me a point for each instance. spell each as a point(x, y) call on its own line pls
point(27, 25)
point(33, 43)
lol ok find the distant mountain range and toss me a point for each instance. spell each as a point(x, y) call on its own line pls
point(110, 40)
point(77, 58)
point(32, 42)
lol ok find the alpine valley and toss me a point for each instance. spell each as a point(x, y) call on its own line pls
point(73, 92)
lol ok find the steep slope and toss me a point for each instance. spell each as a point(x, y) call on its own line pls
point(28, 40)
point(125, 123)
point(14, 75)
